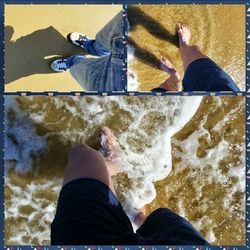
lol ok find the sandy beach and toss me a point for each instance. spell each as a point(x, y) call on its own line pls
point(36, 34)
point(213, 29)
point(198, 172)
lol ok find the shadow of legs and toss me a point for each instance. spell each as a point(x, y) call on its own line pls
point(145, 56)
point(137, 17)
point(31, 54)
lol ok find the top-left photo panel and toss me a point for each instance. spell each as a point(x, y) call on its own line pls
point(64, 48)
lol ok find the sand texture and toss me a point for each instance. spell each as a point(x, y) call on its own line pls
point(36, 34)
point(219, 30)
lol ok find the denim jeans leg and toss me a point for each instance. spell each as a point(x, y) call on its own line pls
point(104, 73)
point(92, 73)
point(102, 45)
point(104, 38)
point(95, 49)
point(73, 60)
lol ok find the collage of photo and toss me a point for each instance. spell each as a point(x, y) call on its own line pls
point(84, 48)
point(124, 125)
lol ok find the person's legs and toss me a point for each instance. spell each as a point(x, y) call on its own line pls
point(166, 227)
point(93, 74)
point(85, 162)
point(201, 72)
point(109, 148)
point(189, 53)
point(88, 211)
point(103, 42)
point(63, 64)
point(106, 72)
point(90, 45)
point(113, 29)
point(74, 60)
point(172, 83)
point(140, 217)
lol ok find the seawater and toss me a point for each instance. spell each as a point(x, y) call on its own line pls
point(213, 29)
point(184, 153)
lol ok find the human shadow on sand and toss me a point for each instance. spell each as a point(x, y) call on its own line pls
point(137, 17)
point(32, 54)
point(144, 55)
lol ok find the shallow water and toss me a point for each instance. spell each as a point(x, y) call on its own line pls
point(213, 27)
point(185, 153)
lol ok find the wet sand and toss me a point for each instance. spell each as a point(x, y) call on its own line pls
point(205, 185)
point(218, 29)
point(35, 34)
point(199, 191)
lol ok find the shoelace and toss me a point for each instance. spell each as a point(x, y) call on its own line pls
point(81, 39)
point(61, 67)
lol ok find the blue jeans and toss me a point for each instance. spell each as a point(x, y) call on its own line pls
point(105, 72)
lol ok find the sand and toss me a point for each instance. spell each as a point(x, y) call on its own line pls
point(206, 184)
point(35, 34)
point(219, 30)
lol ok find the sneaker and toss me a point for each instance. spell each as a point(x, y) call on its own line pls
point(78, 39)
point(59, 65)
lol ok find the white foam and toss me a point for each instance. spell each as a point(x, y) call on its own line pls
point(42, 208)
point(145, 155)
point(133, 83)
point(152, 163)
point(200, 178)
point(21, 142)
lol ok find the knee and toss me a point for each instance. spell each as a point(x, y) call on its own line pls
point(79, 150)
point(81, 146)
point(82, 151)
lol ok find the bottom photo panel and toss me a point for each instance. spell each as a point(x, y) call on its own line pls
point(143, 170)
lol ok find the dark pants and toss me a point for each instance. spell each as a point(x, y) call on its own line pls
point(88, 213)
point(205, 75)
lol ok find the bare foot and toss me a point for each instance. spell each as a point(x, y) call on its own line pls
point(168, 67)
point(108, 149)
point(184, 34)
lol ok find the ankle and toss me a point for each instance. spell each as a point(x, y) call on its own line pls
point(183, 45)
point(139, 219)
point(175, 76)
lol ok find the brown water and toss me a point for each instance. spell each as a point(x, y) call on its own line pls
point(219, 30)
point(204, 181)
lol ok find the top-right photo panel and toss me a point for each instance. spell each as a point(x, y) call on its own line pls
point(186, 48)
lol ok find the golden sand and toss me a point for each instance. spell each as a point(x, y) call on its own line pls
point(35, 34)
point(187, 190)
point(219, 30)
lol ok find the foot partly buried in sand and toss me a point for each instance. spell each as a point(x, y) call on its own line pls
point(184, 34)
point(109, 149)
point(168, 67)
